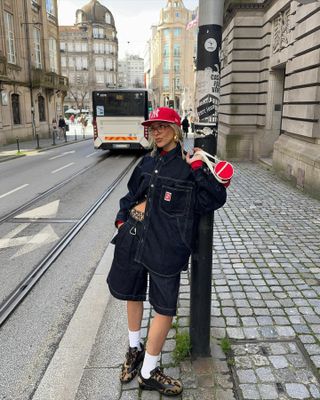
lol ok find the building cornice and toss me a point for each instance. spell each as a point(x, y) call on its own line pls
point(231, 7)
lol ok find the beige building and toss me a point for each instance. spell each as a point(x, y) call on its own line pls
point(270, 92)
point(31, 85)
point(172, 49)
point(131, 72)
point(89, 54)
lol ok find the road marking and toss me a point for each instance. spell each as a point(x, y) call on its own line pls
point(62, 155)
point(45, 236)
point(14, 190)
point(47, 211)
point(90, 155)
point(60, 169)
point(31, 242)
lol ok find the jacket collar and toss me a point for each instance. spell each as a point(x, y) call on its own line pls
point(176, 152)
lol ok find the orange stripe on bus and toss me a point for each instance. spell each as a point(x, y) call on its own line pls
point(122, 138)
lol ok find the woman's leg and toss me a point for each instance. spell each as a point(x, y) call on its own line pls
point(134, 312)
point(158, 332)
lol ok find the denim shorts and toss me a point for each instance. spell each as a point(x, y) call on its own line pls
point(128, 280)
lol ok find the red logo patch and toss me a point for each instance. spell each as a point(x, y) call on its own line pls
point(167, 196)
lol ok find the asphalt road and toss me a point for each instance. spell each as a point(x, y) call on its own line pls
point(22, 179)
point(29, 338)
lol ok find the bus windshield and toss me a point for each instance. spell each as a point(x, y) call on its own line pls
point(120, 104)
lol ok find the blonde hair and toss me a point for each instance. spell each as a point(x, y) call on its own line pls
point(177, 132)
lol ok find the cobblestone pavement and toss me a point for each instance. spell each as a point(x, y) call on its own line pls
point(265, 298)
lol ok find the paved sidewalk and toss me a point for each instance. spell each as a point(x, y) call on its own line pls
point(265, 305)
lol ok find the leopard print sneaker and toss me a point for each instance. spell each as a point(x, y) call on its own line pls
point(134, 358)
point(161, 382)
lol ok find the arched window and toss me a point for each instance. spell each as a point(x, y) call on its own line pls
point(41, 108)
point(108, 18)
point(15, 103)
point(79, 17)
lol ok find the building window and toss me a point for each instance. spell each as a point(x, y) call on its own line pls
point(176, 66)
point(77, 46)
point(166, 50)
point(81, 63)
point(41, 108)
point(70, 46)
point(37, 47)
point(165, 82)
point(53, 55)
point(166, 65)
point(84, 47)
point(62, 46)
point(166, 33)
point(99, 64)
point(15, 103)
point(108, 18)
point(11, 50)
point(177, 15)
point(100, 77)
point(177, 82)
point(177, 32)
point(98, 33)
point(108, 63)
point(63, 62)
point(71, 62)
point(176, 50)
point(79, 17)
point(50, 7)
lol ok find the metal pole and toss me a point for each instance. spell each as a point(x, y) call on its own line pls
point(38, 143)
point(207, 101)
point(18, 144)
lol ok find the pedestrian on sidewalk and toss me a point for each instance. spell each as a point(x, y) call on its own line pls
point(62, 126)
point(185, 126)
point(55, 131)
point(157, 224)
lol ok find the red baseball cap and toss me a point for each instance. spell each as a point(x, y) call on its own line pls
point(163, 114)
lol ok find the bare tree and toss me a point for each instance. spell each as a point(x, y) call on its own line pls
point(79, 93)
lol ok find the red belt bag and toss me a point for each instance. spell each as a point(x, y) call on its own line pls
point(222, 170)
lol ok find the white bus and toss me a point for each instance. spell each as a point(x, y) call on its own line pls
point(117, 117)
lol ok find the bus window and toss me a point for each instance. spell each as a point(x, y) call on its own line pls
point(121, 105)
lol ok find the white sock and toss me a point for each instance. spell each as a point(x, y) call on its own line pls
point(134, 338)
point(149, 363)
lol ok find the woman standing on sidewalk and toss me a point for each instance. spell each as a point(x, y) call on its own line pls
point(157, 222)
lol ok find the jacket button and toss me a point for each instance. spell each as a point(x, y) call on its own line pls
point(152, 185)
point(156, 171)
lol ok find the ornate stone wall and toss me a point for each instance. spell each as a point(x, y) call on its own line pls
point(270, 93)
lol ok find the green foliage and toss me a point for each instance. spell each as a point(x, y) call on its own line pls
point(183, 347)
point(225, 345)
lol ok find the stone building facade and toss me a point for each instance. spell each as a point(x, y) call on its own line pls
point(131, 72)
point(89, 54)
point(270, 92)
point(31, 85)
point(172, 48)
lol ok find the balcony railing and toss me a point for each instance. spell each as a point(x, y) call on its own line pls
point(49, 80)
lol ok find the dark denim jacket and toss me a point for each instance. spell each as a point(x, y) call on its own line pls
point(176, 197)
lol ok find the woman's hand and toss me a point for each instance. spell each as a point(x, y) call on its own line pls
point(194, 157)
point(120, 225)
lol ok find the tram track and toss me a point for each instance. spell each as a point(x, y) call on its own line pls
point(53, 189)
point(13, 300)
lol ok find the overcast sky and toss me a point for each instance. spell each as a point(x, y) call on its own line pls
point(133, 19)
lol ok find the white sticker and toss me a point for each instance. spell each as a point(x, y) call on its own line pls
point(100, 111)
point(210, 45)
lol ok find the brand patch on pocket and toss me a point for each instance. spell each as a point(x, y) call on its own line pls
point(167, 196)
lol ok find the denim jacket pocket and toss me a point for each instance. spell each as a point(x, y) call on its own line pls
point(175, 201)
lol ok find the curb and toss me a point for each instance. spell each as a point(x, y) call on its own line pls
point(64, 372)
point(41, 149)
